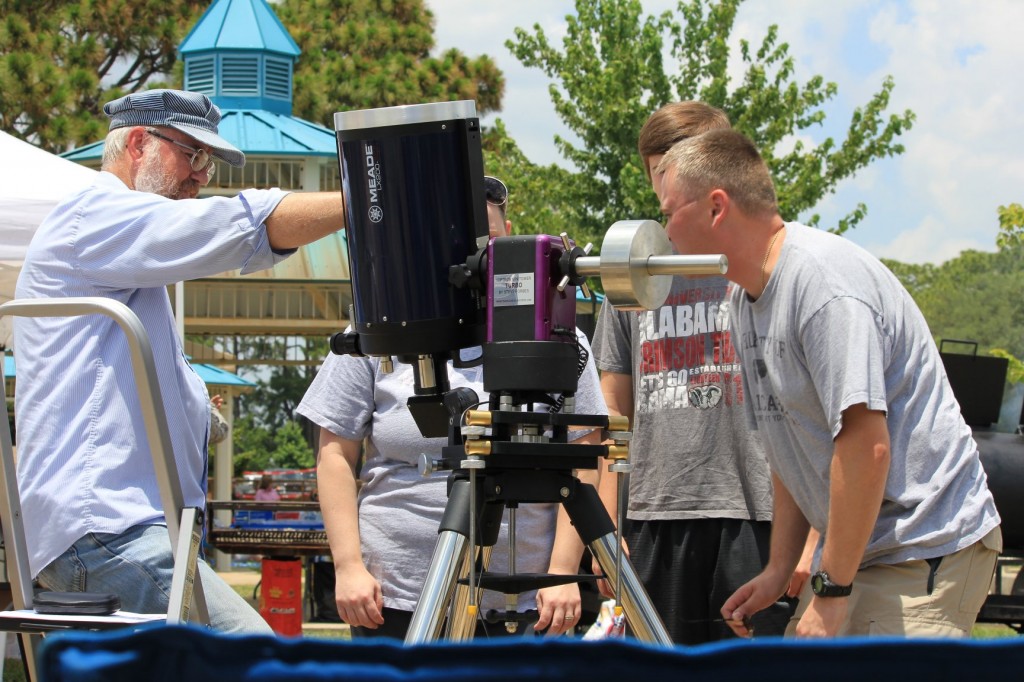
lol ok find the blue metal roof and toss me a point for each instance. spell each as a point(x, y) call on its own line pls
point(239, 25)
point(90, 152)
point(255, 132)
point(213, 376)
point(265, 133)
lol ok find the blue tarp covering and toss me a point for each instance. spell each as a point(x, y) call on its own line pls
point(164, 653)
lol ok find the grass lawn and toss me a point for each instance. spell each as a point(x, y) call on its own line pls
point(992, 631)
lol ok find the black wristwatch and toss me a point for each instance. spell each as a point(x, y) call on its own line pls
point(823, 586)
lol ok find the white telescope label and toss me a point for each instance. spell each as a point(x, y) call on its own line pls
point(514, 289)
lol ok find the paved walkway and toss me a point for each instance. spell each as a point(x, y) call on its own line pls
point(250, 577)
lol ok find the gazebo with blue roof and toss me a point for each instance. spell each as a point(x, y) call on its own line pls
point(241, 56)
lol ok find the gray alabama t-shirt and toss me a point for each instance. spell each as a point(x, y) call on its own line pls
point(693, 453)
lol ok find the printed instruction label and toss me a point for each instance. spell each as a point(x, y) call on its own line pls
point(515, 288)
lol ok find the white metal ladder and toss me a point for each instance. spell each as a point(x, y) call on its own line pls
point(184, 525)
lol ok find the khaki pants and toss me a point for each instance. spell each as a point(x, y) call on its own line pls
point(894, 600)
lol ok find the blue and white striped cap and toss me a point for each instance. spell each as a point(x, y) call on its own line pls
point(190, 112)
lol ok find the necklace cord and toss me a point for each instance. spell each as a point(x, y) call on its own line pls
point(764, 261)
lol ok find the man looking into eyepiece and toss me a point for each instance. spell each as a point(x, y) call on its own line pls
point(864, 438)
point(89, 492)
point(700, 500)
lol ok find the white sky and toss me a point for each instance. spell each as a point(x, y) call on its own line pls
point(956, 64)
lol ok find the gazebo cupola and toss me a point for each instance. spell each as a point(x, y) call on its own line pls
point(241, 57)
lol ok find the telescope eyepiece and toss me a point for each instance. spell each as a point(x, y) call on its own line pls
point(346, 343)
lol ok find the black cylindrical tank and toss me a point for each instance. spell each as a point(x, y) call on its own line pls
point(1002, 456)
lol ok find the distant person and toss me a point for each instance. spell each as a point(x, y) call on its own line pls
point(219, 428)
point(844, 384)
point(93, 512)
point(382, 533)
point(266, 492)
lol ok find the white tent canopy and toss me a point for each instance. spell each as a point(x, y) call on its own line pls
point(31, 183)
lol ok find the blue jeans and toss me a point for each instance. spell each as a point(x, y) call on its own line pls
point(137, 566)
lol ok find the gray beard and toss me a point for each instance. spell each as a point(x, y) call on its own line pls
point(153, 178)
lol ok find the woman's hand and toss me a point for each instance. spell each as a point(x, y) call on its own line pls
point(559, 608)
point(358, 597)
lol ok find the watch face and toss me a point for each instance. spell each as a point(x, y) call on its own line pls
point(817, 583)
point(823, 586)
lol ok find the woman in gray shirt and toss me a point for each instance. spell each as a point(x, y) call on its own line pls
point(382, 537)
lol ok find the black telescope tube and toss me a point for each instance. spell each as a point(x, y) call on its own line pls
point(414, 198)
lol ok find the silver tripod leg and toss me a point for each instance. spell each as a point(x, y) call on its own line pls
point(461, 622)
point(443, 595)
point(450, 554)
point(592, 522)
point(450, 562)
point(640, 612)
point(595, 528)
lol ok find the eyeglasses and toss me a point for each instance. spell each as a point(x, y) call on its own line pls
point(495, 191)
point(201, 159)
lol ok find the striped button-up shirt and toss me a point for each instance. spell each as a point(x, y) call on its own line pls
point(84, 463)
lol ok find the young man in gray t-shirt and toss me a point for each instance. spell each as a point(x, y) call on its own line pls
point(864, 437)
point(700, 497)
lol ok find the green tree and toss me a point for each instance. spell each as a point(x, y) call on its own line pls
point(544, 185)
point(279, 386)
point(291, 451)
point(1010, 241)
point(258, 448)
point(253, 445)
point(60, 60)
point(610, 75)
point(269, 409)
point(1011, 226)
point(275, 398)
point(976, 296)
point(1015, 368)
point(916, 278)
point(973, 297)
point(378, 56)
